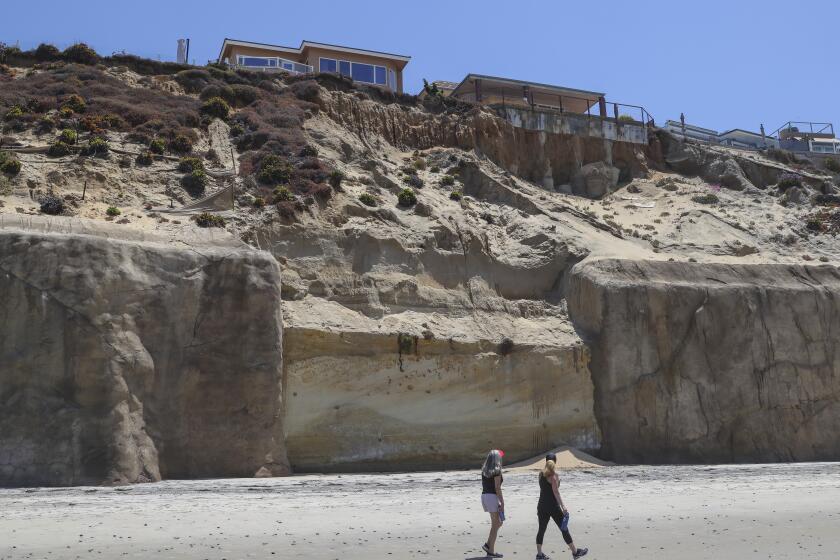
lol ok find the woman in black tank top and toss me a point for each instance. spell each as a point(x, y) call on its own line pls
point(550, 506)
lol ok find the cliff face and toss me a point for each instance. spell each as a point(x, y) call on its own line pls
point(712, 363)
point(133, 360)
point(548, 159)
point(380, 401)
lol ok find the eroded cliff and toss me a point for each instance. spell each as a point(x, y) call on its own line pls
point(126, 358)
point(712, 363)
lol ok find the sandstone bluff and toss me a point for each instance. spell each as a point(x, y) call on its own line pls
point(661, 302)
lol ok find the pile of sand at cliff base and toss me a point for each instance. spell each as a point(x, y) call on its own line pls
point(567, 458)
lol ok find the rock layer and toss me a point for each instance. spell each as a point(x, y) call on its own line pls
point(380, 401)
point(125, 361)
point(712, 363)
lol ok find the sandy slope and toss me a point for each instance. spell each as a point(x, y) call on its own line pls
point(725, 512)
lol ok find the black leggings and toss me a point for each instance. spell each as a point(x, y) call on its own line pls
point(543, 517)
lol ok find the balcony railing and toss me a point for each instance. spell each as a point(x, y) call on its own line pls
point(272, 64)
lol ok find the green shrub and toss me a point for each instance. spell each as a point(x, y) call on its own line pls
point(455, 195)
point(58, 149)
point(434, 169)
point(216, 107)
point(283, 194)
point(68, 136)
point(97, 147)
point(65, 112)
point(414, 181)
point(367, 199)
point(335, 178)
point(405, 343)
point(46, 52)
point(787, 180)
point(626, 118)
point(206, 219)
point(447, 180)
point(157, 146)
point(259, 202)
point(45, 124)
point(237, 130)
point(419, 163)
point(52, 205)
point(274, 170)
point(81, 53)
point(406, 197)
point(832, 165)
point(708, 198)
point(505, 347)
point(14, 112)
point(75, 103)
point(113, 211)
point(190, 164)
point(195, 182)
point(145, 158)
point(10, 166)
point(180, 145)
point(309, 151)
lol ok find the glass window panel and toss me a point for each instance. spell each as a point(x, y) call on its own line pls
point(254, 61)
point(328, 65)
point(288, 66)
point(380, 75)
point(393, 79)
point(363, 72)
point(344, 68)
point(302, 68)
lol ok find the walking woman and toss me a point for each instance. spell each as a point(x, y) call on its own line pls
point(491, 498)
point(550, 507)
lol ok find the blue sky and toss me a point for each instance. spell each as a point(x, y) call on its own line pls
point(726, 64)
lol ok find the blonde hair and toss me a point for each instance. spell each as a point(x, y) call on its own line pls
point(492, 464)
point(549, 469)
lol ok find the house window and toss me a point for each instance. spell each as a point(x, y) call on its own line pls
point(362, 73)
point(257, 61)
point(367, 73)
point(380, 75)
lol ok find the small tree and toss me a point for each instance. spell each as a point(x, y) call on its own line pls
point(157, 146)
point(81, 54)
point(406, 197)
point(336, 177)
point(68, 136)
point(216, 107)
point(367, 199)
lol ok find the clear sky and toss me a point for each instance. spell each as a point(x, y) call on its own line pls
point(725, 63)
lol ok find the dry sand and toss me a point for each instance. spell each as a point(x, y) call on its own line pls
point(567, 458)
point(722, 512)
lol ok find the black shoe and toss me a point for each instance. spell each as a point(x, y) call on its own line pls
point(581, 552)
point(491, 554)
point(542, 556)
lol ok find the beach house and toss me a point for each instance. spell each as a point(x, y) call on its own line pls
point(365, 66)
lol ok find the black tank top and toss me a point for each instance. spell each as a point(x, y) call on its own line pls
point(488, 484)
point(547, 500)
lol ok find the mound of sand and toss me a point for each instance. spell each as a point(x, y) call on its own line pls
point(567, 458)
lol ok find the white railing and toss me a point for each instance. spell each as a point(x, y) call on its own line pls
point(272, 64)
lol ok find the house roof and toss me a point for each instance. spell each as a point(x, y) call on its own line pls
point(307, 44)
point(691, 127)
point(443, 84)
point(756, 134)
point(535, 85)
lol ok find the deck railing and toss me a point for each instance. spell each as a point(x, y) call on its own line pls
point(272, 64)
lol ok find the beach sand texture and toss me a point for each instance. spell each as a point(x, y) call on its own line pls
point(720, 512)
